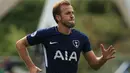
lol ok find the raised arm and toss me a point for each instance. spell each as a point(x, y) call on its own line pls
point(96, 62)
point(21, 46)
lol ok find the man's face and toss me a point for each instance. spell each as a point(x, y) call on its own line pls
point(67, 16)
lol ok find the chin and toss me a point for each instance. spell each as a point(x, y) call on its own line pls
point(71, 25)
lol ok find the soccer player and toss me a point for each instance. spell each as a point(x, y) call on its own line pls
point(63, 44)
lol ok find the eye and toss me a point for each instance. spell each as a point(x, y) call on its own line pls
point(67, 13)
point(70, 12)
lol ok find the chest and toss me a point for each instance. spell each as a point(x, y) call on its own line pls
point(65, 43)
point(66, 48)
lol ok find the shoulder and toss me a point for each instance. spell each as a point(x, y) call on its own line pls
point(50, 29)
point(46, 30)
point(43, 32)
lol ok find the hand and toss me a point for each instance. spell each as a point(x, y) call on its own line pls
point(34, 69)
point(108, 53)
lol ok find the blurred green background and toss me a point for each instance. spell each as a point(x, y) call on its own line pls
point(96, 18)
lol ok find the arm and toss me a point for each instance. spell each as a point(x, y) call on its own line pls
point(21, 46)
point(96, 62)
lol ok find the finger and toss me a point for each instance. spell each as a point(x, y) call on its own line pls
point(39, 69)
point(113, 52)
point(113, 49)
point(109, 48)
point(102, 47)
point(111, 57)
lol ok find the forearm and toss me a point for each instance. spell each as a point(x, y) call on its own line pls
point(23, 53)
point(99, 63)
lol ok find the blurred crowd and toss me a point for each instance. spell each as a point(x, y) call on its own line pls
point(7, 65)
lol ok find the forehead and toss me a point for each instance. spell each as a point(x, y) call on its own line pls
point(66, 8)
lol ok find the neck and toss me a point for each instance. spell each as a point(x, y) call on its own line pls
point(63, 29)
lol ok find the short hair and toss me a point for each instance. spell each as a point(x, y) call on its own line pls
point(56, 8)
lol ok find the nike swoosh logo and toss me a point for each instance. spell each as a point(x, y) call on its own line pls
point(53, 42)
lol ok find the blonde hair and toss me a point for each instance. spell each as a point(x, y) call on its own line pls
point(56, 8)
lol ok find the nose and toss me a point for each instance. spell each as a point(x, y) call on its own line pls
point(72, 16)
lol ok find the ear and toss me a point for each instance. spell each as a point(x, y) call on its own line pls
point(58, 17)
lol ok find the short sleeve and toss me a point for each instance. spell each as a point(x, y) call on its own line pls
point(86, 46)
point(36, 37)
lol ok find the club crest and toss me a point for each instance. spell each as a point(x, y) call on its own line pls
point(76, 43)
